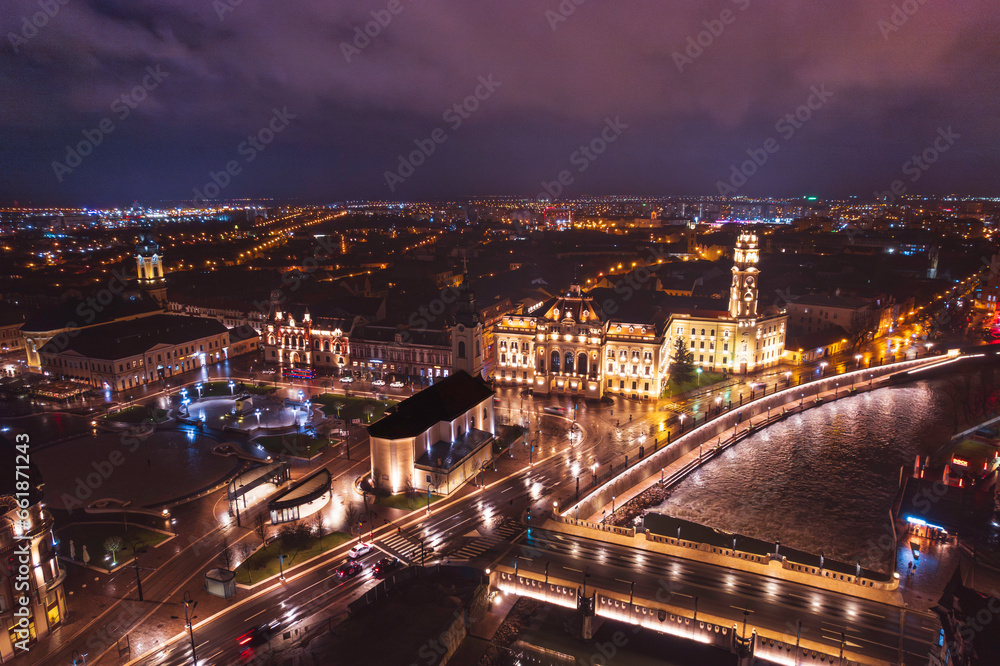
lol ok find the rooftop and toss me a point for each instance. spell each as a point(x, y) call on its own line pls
point(444, 401)
point(124, 339)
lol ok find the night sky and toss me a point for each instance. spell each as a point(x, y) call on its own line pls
point(339, 109)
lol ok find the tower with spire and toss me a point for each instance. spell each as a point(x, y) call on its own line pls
point(467, 330)
point(149, 266)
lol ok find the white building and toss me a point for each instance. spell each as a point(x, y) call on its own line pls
point(436, 440)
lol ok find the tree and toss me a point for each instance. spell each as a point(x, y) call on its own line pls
point(369, 410)
point(338, 405)
point(113, 544)
point(226, 554)
point(260, 526)
point(864, 326)
point(681, 362)
point(409, 492)
point(351, 515)
point(320, 522)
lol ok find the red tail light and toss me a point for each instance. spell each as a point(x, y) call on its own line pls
point(245, 639)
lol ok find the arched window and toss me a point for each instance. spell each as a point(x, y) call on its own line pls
point(270, 339)
point(569, 362)
point(461, 348)
point(581, 363)
point(555, 361)
point(336, 348)
point(316, 345)
point(326, 345)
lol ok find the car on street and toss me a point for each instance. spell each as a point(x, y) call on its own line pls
point(349, 570)
point(258, 635)
point(385, 565)
point(396, 384)
point(268, 371)
point(378, 382)
point(360, 550)
point(346, 380)
point(561, 411)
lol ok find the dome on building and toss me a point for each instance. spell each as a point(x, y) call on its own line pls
point(146, 246)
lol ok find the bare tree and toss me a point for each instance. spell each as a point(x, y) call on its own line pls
point(260, 526)
point(351, 515)
point(320, 523)
point(409, 492)
point(863, 326)
point(226, 554)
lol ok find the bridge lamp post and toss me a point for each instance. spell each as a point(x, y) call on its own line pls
point(718, 404)
point(594, 469)
point(822, 368)
point(788, 377)
point(682, 422)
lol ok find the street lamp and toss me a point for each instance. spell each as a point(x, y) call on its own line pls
point(699, 377)
point(257, 413)
point(681, 417)
point(857, 359)
point(788, 377)
point(232, 387)
point(594, 468)
point(822, 368)
point(189, 606)
point(199, 387)
point(718, 404)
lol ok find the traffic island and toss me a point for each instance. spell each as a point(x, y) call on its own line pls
point(297, 548)
point(297, 445)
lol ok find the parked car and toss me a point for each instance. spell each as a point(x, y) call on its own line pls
point(378, 382)
point(396, 384)
point(346, 380)
point(385, 565)
point(349, 570)
point(360, 550)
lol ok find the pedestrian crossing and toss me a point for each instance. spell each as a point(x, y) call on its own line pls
point(504, 532)
point(403, 547)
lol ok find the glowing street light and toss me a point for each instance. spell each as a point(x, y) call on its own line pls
point(699, 377)
point(788, 377)
point(822, 368)
point(718, 404)
point(198, 386)
point(232, 387)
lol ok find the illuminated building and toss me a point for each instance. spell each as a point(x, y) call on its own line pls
point(436, 440)
point(27, 558)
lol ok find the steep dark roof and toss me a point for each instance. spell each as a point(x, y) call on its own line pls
point(73, 313)
point(444, 401)
point(124, 339)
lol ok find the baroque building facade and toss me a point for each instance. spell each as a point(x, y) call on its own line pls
point(569, 347)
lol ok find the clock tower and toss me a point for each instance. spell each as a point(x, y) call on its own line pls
point(743, 294)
